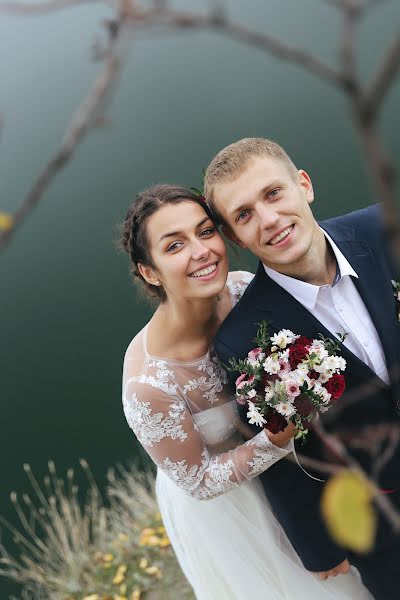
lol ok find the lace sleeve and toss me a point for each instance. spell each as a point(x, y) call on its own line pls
point(237, 283)
point(164, 426)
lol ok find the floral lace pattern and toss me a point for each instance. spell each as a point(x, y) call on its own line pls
point(212, 383)
point(150, 428)
point(167, 405)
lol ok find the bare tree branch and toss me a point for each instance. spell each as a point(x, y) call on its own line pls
point(88, 116)
point(351, 15)
point(338, 448)
point(384, 78)
point(43, 7)
point(263, 41)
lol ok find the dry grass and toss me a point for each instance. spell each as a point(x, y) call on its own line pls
point(74, 550)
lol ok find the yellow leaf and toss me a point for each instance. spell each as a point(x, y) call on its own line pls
point(348, 511)
point(92, 597)
point(120, 574)
point(154, 571)
point(108, 557)
point(143, 563)
point(135, 595)
point(6, 221)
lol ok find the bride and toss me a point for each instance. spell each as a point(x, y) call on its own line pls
point(177, 402)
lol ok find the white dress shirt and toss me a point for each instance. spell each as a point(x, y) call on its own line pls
point(339, 308)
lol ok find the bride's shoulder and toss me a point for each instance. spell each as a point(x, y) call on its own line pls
point(136, 347)
point(237, 283)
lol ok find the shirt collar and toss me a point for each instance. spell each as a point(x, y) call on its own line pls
point(307, 293)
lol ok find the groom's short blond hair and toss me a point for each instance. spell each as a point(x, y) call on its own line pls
point(230, 162)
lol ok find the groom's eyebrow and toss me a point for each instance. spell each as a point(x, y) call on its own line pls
point(174, 233)
point(266, 188)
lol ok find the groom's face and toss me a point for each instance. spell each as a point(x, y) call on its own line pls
point(267, 210)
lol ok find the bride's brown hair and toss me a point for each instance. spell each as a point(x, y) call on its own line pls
point(134, 231)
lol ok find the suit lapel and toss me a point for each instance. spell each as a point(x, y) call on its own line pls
point(375, 288)
point(283, 311)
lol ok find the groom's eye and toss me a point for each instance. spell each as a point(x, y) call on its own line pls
point(273, 193)
point(242, 215)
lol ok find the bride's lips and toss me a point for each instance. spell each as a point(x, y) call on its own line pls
point(207, 276)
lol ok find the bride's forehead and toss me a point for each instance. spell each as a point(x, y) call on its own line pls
point(185, 214)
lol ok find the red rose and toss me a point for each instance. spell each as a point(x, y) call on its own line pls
point(336, 385)
point(303, 341)
point(275, 421)
point(313, 374)
point(296, 354)
point(303, 406)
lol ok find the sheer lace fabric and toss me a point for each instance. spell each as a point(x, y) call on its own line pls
point(231, 547)
point(182, 412)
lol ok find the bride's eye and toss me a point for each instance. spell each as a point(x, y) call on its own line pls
point(174, 246)
point(207, 232)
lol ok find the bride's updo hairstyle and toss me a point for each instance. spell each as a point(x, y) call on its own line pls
point(134, 239)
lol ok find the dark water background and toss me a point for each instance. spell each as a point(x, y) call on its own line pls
point(67, 307)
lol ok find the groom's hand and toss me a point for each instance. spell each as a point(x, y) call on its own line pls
point(341, 569)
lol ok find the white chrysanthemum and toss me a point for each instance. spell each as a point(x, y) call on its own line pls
point(324, 377)
point(333, 363)
point(322, 392)
point(340, 363)
point(254, 416)
point(283, 338)
point(321, 353)
point(285, 408)
point(269, 391)
point(251, 393)
point(284, 355)
point(317, 344)
point(271, 364)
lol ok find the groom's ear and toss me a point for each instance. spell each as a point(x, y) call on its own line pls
point(228, 233)
point(306, 183)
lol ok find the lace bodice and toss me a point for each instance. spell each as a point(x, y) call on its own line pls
point(181, 413)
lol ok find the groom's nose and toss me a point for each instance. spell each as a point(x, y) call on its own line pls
point(267, 215)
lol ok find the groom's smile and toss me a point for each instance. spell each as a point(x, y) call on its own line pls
point(281, 237)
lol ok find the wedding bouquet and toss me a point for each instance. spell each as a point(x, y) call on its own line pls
point(289, 377)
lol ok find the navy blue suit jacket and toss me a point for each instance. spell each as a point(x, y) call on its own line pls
point(295, 497)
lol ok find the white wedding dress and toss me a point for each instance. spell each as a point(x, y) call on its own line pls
point(221, 526)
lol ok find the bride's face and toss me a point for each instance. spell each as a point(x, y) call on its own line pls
point(188, 253)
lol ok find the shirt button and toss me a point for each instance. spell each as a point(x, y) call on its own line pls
point(365, 343)
point(340, 308)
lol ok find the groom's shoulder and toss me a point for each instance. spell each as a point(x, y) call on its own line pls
point(365, 223)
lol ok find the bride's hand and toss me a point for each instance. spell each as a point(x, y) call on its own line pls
point(282, 437)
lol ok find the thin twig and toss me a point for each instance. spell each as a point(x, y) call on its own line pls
point(181, 20)
point(338, 448)
point(43, 7)
point(383, 79)
point(87, 116)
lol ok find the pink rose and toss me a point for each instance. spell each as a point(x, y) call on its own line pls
point(240, 381)
point(254, 354)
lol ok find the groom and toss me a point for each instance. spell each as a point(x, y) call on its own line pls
point(315, 279)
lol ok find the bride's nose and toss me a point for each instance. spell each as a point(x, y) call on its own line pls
point(200, 250)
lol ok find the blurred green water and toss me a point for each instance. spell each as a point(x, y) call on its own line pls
point(67, 308)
